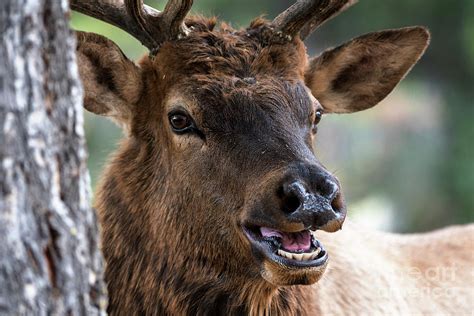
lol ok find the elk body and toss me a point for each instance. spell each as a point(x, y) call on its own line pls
point(215, 203)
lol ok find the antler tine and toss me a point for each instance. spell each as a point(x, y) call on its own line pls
point(304, 16)
point(151, 27)
point(143, 21)
point(328, 13)
point(115, 12)
point(174, 15)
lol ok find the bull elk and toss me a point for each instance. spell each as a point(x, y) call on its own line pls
point(215, 202)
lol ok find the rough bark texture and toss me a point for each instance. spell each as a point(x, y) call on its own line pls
point(49, 259)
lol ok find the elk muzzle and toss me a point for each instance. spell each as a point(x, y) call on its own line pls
point(281, 223)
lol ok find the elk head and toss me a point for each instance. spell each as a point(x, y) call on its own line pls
point(218, 169)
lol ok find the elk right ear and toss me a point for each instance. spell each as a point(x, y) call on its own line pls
point(112, 83)
point(359, 74)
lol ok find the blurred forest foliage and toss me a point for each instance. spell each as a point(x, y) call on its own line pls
point(405, 165)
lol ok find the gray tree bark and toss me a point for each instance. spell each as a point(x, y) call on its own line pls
point(50, 263)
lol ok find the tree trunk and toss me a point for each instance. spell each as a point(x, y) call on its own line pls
point(49, 257)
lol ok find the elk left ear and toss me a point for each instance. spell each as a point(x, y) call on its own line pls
point(112, 83)
point(359, 74)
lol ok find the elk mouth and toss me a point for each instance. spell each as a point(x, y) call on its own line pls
point(292, 249)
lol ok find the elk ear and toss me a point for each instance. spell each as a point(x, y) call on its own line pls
point(359, 74)
point(112, 83)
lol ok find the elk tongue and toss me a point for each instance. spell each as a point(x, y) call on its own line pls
point(294, 242)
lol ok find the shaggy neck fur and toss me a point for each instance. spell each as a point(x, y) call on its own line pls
point(154, 266)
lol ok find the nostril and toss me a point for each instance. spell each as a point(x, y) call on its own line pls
point(337, 202)
point(333, 190)
point(290, 203)
point(329, 190)
point(291, 195)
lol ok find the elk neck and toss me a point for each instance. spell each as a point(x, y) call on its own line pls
point(154, 263)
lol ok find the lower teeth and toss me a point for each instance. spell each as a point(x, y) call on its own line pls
point(299, 256)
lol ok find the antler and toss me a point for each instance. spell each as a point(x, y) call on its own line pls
point(305, 16)
point(151, 27)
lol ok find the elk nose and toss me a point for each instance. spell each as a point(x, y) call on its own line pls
point(294, 194)
point(320, 208)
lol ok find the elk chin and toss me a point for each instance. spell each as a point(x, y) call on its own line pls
point(280, 276)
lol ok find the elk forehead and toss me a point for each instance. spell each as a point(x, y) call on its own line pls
point(243, 54)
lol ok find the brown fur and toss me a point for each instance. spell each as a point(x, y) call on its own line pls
point(171, 206)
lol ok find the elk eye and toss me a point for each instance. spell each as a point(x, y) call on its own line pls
point(180, 122)
point(317, 117)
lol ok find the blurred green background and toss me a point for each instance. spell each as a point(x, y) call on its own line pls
point(405, 165)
